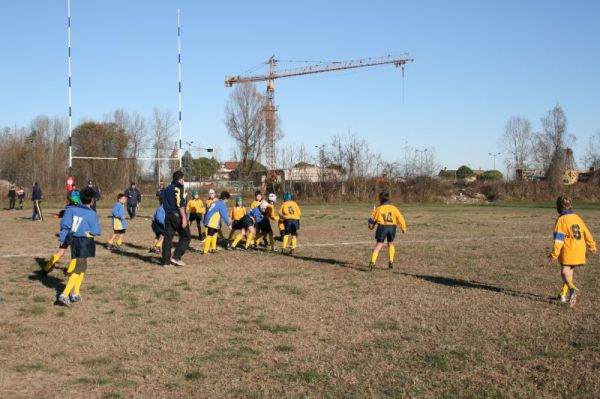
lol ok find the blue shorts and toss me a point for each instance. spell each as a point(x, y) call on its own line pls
point(83, 247)
point(292, 226)
point(385, 232)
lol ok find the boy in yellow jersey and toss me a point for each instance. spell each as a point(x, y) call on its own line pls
point(74, 200)
point(290, 216)
point(571, 236)
point(196, 211)
point(265, 211)
point(386, 217)
point(239, 221)
point(214, 215)
point(119, 223)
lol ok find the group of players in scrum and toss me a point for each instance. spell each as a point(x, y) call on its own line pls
point(80, 225)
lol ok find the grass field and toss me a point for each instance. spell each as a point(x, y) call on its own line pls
point(467, 312)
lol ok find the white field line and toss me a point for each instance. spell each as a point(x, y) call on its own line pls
point(399, 243)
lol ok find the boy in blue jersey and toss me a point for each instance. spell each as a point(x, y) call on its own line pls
point(73, 200)
point(119, 223)
point(158, 227)
point(79, 226)
point(212, 221)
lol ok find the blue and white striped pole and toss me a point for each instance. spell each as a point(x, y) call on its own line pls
point(69, 89)
point(179, 78)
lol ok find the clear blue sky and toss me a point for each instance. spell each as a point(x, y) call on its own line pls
point(476, 64)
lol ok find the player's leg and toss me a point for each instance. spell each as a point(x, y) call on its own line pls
point(79, 270)
point(207, 240)
point(250, 236)
point(294, 233)
point(168, 238)
point(185, 236)
point(567, 276)
point(55, 258)
point(390, 236)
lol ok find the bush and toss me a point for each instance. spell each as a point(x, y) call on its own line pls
point(493, 175)
point(464, 172)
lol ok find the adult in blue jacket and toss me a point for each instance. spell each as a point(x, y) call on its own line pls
point(176, 221)
point(36, 197)
point(134, 198)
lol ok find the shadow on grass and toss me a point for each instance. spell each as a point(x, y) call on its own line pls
point(150, 258)
point(49, 281)
point(455, 282)
point(330, 261)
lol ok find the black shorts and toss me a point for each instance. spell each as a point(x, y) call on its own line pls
point(242, 224)
point(264, 226)
point(120, 231)
point(63, 245)
point(211, 231)
point(196, 217)
point(291, 226)
point(385, 233)
point(158, 229)
point(83, 247)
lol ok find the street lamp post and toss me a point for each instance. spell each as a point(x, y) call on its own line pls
point(494, 155)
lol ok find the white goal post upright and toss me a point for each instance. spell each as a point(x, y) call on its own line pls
point(179, 80)
point(69, 88)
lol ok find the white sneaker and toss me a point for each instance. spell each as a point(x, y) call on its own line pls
point(63, 300)
point(177, 262)
point(563, 298)
point(573, 296)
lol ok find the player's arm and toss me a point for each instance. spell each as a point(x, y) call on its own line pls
point(589, 239)
point(560, 233)
point(374, 217)
point(65, 225)
point(400, 221)
point(94, 223)
point(181, 207)
point(225, 216)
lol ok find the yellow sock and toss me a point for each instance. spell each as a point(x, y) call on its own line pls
point(78, 284)
point(51, 263)
point(294, 242)
point(571, 285)
point(258, 238)
point(374, 256)
point(238, 238)
point(564, 290)
point(71, 284)
point(110, 242)
point(72, 265)
point(285, 241)
point(207, 241)
point(205, 233)
point(230, 236)
point(392, 251)
point(119, 242)
point(214, 241)
point(272, 242)
point(249, 240)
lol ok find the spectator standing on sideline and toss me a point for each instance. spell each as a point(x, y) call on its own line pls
point(97, 196)
point(160, 192)
point(21, 196)
point(12, 197)
point(134, 199)
point(176, 221)
point(36, 197)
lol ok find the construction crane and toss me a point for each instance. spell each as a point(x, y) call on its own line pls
point(270, 107)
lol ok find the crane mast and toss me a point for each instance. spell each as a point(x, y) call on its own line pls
point(271, 108)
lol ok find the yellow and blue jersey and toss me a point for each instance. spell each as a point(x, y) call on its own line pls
point(118, 217)
point(209, 202)
point(387, 214)
point(174, 198)
point(196, 206)
point(255, 204)
point(216, 213)
point(79, 221)
point(290, 211)
point(571, 236)
point(237, 213)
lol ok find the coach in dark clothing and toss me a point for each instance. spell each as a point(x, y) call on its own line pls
point(160, 192)
point(134, 198)
point(12, 197)
point(36, 197)
point(174, 204)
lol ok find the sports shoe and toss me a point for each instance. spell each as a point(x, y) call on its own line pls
point(291, 252)
point(390, 265)
point(371, 266)
point(63, 300)
point(74, 298)
point(177, 262)
point(563, 298)
point(119, 248)
point(573, 296)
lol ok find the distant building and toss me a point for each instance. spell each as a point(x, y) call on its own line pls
point(226, 170)
point(307, 173)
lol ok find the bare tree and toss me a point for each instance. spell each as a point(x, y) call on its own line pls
point(161, 126)
point(517, 141)
point(551, 145)
point(245, 122)
point(591, 157)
